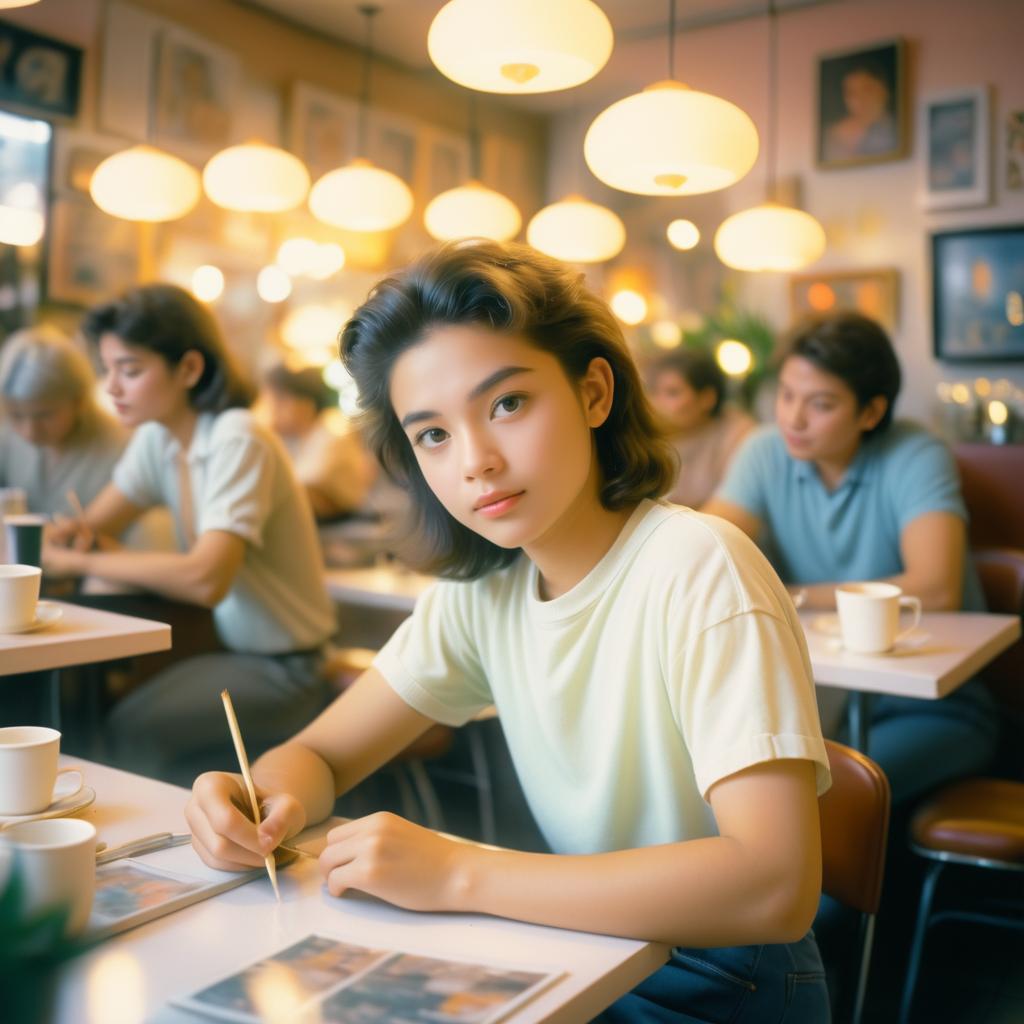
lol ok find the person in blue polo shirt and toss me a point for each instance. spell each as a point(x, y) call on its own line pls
point(837, 490)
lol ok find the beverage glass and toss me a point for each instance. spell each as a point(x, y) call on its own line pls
point(25, 538)
point(869, 616)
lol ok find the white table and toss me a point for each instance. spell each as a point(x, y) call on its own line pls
point(81, 637)
point(385, 587)
point(132, 976)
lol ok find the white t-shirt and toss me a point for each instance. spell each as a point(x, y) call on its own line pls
point(677, 661)
point(241, 482)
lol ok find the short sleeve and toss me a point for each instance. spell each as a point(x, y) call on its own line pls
point(432, 661)
point(238, 491)
point(924, 480)
point(745, 482)
point(137, 474)
point(742, 694)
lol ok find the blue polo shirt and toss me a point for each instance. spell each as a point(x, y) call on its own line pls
point(814, 535)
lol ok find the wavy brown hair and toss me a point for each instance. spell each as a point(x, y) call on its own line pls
point(515, 289)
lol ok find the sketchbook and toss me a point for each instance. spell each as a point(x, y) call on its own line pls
point(324, 979)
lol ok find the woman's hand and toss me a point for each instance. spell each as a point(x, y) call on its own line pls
point(391, 858)
point(65, 532)
point(60, 561)
point(223, 833)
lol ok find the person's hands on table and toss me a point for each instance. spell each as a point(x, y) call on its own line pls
point(63, 561)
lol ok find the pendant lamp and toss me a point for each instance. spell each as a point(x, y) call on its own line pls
point(671, 140)
point(361, 196)
point(256, 178)
point(520, 46)
point(773, 236)
point(144, 183)
point(472, 210)
point(8, 4)
point(577, 231)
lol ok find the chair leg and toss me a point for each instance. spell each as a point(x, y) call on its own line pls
point(406, 793)
point(931, 879)
point(484, 789)
point(866, 943)
point(427, 794)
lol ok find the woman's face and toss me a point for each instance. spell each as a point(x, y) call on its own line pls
point(683, 407)
point(142, 385)
point(44, 422)
point(503, 438)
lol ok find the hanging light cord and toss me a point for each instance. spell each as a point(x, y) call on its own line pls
point(474, 139)
point(773, 100)
point(369, 11)
point(672, 39)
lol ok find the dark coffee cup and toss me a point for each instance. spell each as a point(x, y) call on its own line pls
point(25, 539)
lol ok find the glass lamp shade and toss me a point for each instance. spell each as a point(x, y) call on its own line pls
point(256, 178)
point(361, 197)
point(769, 237)
point(19, 226)
point(670, 140)
point(577, 231)
point(8, 4)
point(520, 46)
point(144, 183)
point(472, 211)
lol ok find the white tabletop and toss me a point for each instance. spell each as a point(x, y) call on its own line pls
point(946, 650)
point(82, 635)
point(386, 587)
point(133, 975)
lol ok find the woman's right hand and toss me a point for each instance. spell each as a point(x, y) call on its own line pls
point(65, 532)
point(223, 833)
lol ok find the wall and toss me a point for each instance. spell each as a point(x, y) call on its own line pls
point(872, 214)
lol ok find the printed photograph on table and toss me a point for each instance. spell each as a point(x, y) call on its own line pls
point(875, 293)
point(322, 128)
point(38, 75)
point(862, 106)
point(955, 135)
point(978, 294)
point(124, 889)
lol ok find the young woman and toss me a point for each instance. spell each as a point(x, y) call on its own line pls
point(248, 546)
point(838, 491)
point(687, 388)
point(646, 662)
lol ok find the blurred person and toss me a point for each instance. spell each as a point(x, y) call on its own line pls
point(329, 459)
point(248, 546)
point(687, 387)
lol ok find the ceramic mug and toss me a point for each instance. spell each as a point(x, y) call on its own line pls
point(25, 538)
point(56, 862)
point(19, 595)
point(28, 769)
point(869, 616)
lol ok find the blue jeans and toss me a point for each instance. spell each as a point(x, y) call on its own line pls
point(781, 984)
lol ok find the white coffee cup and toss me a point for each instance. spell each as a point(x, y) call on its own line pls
point(869, 616)
point(28, 768)
point(56, 862)
point(19, 595)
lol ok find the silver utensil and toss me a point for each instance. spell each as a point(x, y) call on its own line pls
point(145, 844)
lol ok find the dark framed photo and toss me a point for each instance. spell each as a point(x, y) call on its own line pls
point(978, 294)
point(38, 75)
point(956, 141)
point(862, 105)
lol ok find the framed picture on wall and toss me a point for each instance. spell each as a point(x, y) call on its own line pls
point(978, 294)
point(862, 105)
point(955, 133)
point(874, 293)
point(322, 128)
point(39, 76)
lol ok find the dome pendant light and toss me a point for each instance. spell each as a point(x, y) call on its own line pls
point(577, 231)
point(671, 140)
point(361, 196)
point(520, 46)
point(256, 178)
point(772, 236)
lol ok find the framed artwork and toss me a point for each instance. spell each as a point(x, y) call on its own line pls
point(91, 254)
point(449, 163)
point(874, 293)
point(76, 155)
point(393, 143)
point(38, 75)
point(862, 105)
point(1015, 150)
point(955, 133)
point(322, 128)
point(978, 294)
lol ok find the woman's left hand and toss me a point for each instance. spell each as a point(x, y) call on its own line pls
point(59, 561)
point(391, 858)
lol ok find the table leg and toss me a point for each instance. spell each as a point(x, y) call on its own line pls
point(54, 688)
point(857, 715)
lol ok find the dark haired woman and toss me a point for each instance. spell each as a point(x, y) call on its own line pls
point(646, 662)
point(248, 546)
point(839, 492)
point(687, 387)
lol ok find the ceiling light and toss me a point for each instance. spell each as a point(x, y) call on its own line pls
point(734, 357)
point(361, 197)
point(273, 284)
point(145, 184)
point(629, 306)
point(256, 178)
point(682, 234)
point(577, 231)
point(207, 282)
point(472, 211)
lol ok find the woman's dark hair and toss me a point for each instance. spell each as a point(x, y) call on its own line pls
point(698, 367)
point(167, 320)
point(307, 383)
point(510, 288)
point(855, 349)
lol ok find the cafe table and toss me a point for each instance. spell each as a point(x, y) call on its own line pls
point(81, 636)
point(131, 977)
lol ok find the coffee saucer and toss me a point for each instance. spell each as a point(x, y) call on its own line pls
point(47, 614)
point(62, 806)
point(827, 624)
point(901, 648)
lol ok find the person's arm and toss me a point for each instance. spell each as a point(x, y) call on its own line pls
point(932, 548)
point(107, 516)
point(202, 575)
point(735, 514)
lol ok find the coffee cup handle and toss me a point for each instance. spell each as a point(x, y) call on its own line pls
point(914, 604)
point(81, 780)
